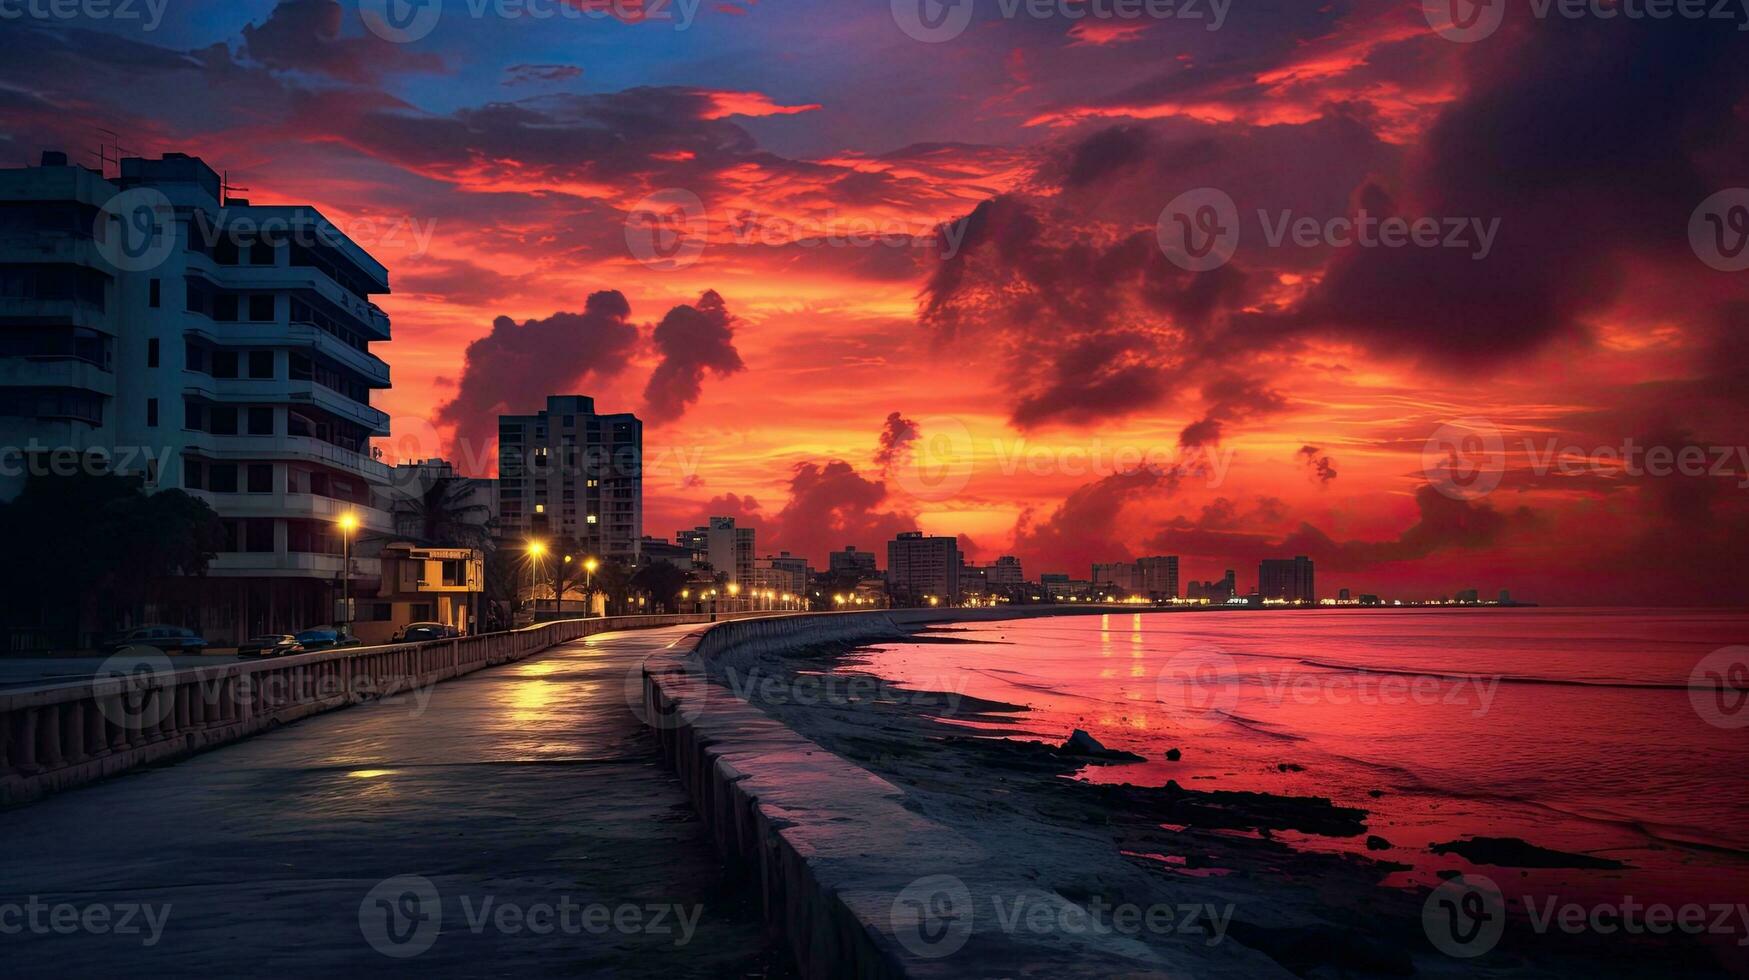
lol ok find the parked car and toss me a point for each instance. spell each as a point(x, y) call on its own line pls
point(326, 638)
point(169, 639)
point(270, 645)
point(420, 632)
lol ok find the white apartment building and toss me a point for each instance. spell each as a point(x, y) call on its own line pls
point(208, 345)
point(727, 548)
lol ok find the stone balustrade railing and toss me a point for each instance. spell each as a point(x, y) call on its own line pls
point(59, 736)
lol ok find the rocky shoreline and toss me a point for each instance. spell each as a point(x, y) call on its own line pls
point(1311, 913)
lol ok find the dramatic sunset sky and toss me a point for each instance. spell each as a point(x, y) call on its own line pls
point(995, 341)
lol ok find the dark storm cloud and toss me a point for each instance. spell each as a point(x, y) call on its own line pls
point(513, 368)
point(692, 340)
point(896, 438)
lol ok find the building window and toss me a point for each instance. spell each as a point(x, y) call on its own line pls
point(261, 307)
point(421, 612)
point(258, 536)
point(222, 478)
point(152, 352)
point(261, 363)
point(224, 364)
point(260, 478)
point(194, 474)
point(222, 420)
point(155, 293)
point(261, 421)
point(261, 253)
point(152, 413)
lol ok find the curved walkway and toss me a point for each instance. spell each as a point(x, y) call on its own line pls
point(512, 821)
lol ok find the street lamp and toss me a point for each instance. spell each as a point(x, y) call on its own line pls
point(589, 567)
point(348, 524)
point(535, 550)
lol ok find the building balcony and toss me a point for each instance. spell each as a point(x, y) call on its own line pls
point(296, 506)
point(285, 335)
point(243, 449)
point(69, 312)
point(295, 564)
point(61, 248)
point(274, 391)
point(288, 278)
point(56, 371)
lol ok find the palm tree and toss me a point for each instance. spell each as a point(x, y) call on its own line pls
point(445, 515)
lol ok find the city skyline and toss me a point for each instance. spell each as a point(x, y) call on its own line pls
point(794, 368)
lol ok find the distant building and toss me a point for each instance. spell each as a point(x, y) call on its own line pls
point(1470, 596)
point(726, 548)
point(1343, 596)
point(1506, 597)
point(572, 473)
point(1157, 577)
point(1117, 575)
point(1216, 591)
point(652, 550)
point(783, 572)
point(1288, 579)
point(851, 561)
point(922, 568)
point(1006, 573)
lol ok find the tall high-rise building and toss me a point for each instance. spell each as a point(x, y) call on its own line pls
point(725, 547)
point(1287, 578)
point(569, 472)
point(151, 326)
point(923, 568)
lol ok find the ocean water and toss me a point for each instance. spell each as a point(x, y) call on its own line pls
point(1604, 732)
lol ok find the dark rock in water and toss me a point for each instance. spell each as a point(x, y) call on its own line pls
point(1231, 810)
point(1376, 843)
point(1290, 767)
point(1511, 852)
point(1086, 746)
point(1375, 793)
point(1082, 743)
point(1173, 755)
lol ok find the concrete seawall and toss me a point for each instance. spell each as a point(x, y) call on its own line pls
point(830, 847)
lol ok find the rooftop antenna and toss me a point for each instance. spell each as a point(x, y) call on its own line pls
point(108, 141)
point(229, 189)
